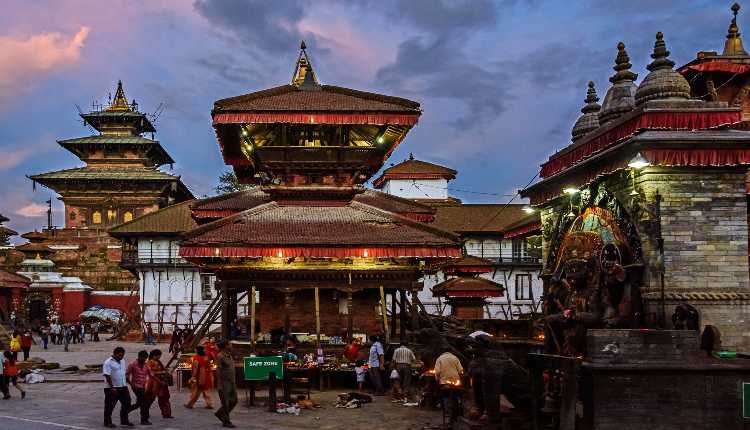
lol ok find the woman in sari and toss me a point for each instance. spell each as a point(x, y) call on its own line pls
point(157, 386)
point(202, 380)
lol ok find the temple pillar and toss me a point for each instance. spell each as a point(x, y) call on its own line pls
point(349, 314)
point(414, 310)
point(402, 306)
point(288, 299)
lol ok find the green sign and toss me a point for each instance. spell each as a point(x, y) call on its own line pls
point(746, 400)
point(258, 368)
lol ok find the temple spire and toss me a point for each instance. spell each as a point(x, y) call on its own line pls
point(662, 82)
point(304, 76)
point(620, 97)
point(733, 45)
point(119, 102)
point(589, 121)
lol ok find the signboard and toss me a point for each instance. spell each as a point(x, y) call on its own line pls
point(258, 368)
point(746, 400)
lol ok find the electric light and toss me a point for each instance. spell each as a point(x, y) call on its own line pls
point(529, 209)
point(570, 191)
point(280, 254)
point(365, 253)
point(380, 139)
point(639, 162)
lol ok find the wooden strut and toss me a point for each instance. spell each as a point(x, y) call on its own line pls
point(385, 315)
point(252, 317)
point(317, 315)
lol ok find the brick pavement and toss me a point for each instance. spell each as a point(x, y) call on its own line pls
point(78, 406)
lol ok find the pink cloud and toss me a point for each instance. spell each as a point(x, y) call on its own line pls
point(33, 210)
point(24, 60)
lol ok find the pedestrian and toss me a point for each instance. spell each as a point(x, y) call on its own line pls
point(10, 373)
point(448, 373)
point(68, 335)
point(54, 333)
point(149, 335)
point(201, 381)
point(227, 384)
point(360, 371)
point(3, 384)
point(45, 336)
point(75, 332)
point(403, 358)
point(174, 339)
point(26, 341)
point(83, 332)
point(376, 362)
point(95, 330)
point(116, 390)
point(15, 344)
point(396, 386)
point(211, 350)
point(137, 375)
point(158, 383)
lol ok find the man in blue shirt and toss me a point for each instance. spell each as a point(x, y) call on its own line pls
point(376, 362)
point(116, 389)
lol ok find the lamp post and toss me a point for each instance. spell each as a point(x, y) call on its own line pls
point(637, 163)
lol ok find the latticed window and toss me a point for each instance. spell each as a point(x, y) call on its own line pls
point(127, 216)
point(206, 287)
point(523, 286)
point(96, 217)
point(111, 215)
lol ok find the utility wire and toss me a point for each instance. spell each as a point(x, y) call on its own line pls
point(508, 203)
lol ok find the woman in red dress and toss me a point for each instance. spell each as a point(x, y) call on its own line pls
point(202, 380)
point(156, 386)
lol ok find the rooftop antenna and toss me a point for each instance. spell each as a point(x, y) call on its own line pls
point(153, 117)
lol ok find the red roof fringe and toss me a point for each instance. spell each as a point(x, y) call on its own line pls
point(189, 251)
point(717, 66)
point(316, 118)
point(522, 230)
point(646, 120)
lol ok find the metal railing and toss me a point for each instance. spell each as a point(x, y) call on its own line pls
point(131, 258)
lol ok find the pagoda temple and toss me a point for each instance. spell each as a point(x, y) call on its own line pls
point(320, 249)
point(5, 232)
point(647, 207)
point(120, 181)
point(465, 291)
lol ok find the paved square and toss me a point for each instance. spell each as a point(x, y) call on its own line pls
point(76, 402)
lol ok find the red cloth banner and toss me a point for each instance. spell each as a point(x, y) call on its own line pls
point(646, 120)
point(697, 157)
point(717, 66)
point(189, 251)
point(315, 118)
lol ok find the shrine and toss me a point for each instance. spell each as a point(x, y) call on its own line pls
point(650, 200)
point(464, 290)
point(320, 250)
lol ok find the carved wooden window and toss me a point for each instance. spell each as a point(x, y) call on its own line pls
point(111, 215)
point(206, 287)
point(127, 216)
point(96, 217)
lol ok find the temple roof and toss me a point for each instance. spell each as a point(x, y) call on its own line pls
point(35, 236)
point(171, 220)
point(3, 219)
point(231, 203)
point(5, 232)
point(468, 286)
point(478, 218)
point(468, 264)
point(31, 248)
point(119, 112)
point(662, 82)
point(155, 151)
point(13, 280)
point(414, 169)
point(329, 98)
point(122, 174)
point(254, 231)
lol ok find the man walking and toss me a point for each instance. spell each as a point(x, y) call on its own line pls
point(137, 375)
point(3, 382)
point(26, 341)
point(376, 362)
point(403, 358)
point(227, 384)
point(116, 390)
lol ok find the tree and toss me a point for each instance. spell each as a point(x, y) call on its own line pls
point(228, 183)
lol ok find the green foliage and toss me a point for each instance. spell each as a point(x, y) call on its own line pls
point(228, 183)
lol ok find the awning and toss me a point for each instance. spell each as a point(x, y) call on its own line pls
point(188, 251)
point(315, 118)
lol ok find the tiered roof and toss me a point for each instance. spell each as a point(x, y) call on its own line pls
point(13, 280)
point(170, 221)
point(468, 287)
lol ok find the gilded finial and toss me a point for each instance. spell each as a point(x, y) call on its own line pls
point(304, 76)
point(119, 102)
point(733, 45)
point(302, 45)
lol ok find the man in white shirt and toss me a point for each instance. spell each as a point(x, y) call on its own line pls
point(116, 389)
point(403, 358)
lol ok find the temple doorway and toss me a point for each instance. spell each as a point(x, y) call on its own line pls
point(38, 311)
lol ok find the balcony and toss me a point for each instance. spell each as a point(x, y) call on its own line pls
point(130, 259)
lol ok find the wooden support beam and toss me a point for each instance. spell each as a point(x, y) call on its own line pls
point(414, 311)
point(252, 317)
point(383, 308)
point(317, 315)
point(224, 313)
point(350, 314)
point(402, 307)
point(287, 312)
point(394, 321)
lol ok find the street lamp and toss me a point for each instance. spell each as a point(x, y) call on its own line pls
point(637, 163)
point(529, 209)
point(570, 191)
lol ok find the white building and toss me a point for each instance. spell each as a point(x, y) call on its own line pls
point(171, 290)
point(502, 233)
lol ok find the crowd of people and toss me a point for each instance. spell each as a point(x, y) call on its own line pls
point(149, 381)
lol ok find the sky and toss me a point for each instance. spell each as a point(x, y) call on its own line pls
point(500, 82)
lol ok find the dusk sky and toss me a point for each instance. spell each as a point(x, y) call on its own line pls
point(501, 83)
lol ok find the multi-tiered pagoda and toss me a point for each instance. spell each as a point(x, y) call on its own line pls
point(309, 237)
point(120, 179)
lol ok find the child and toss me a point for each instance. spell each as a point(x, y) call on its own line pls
point(395, 385)
point(10, 372)
point(360, 371)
